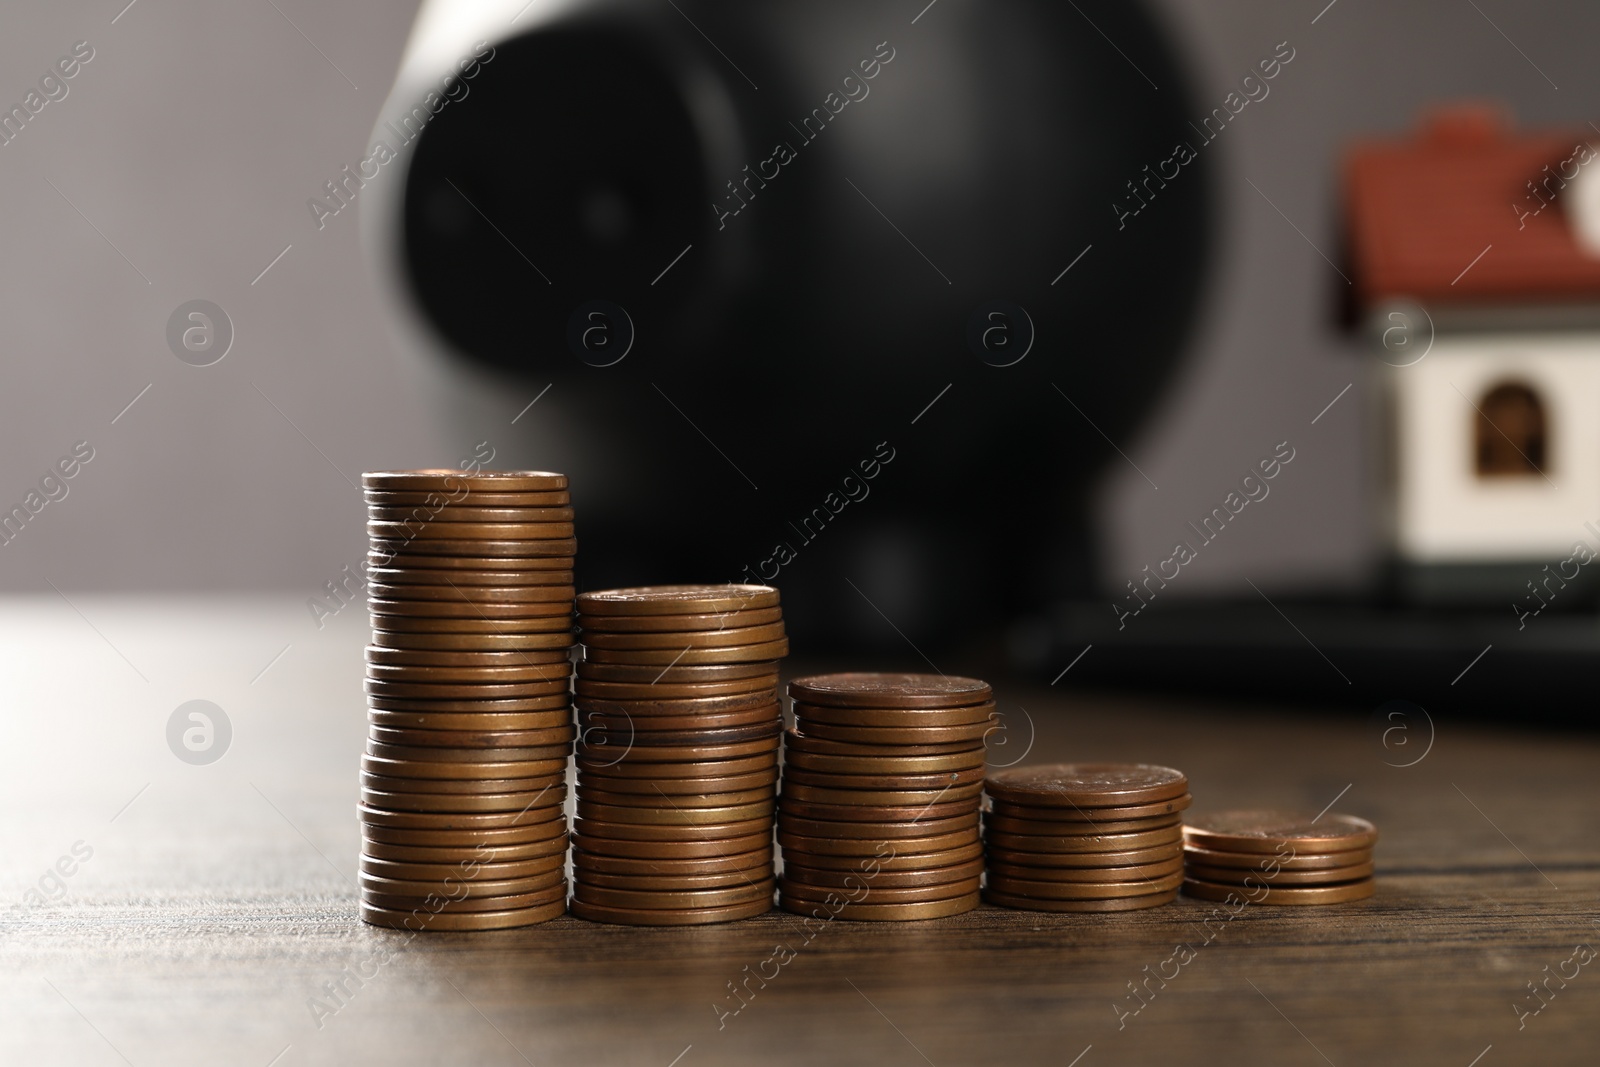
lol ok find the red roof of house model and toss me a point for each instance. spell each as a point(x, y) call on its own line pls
point(1421, 211)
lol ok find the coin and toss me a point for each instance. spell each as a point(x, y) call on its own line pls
point(675, 787)
point(699, 674)
point(1035, 827)
point(472, 594)
point(561, 550)
point(868, 890)
point(463, 495)
point(401, 657)
point(821, 876)
point(1145, 872)
point(852, 846)
point(888, 765)
point(463, 690)
point(454, 513)
point(476, 609)
point(593, 720)
point(477, 920)
point(480, 853)
point(1042, 890)
point(667, 917)
point(678, 623)
point(678, 600)
point(422, 754)
point(462, 481)
point(498, 820)
point(744, 635)
point(454, 885)
point(613, 814)
point(512, 722)
point(761, 691)
point(1087, 785)
point(765, 697)
point(1092, 816)
point(877, 813)
point(550, 703)
point(469, 870)
point(877, 831)
point(1095, 860)
point(872, 690)
point(933, 909)
point(418, 564)
point(441, 904)
point(420, 581)
point(691, 898)
point(742, 863)
point(543, 638)
point(686, 802)
point(393, 768)
point(600, 767)
point(680, 753)
point(549, 831)
point(1267, 831)
point(1308, 861)
point(886, 798)
point(1083, 842)
point(624, 848)
point(668, 657)
point(1262, 894)
point(674, 883)
point(506, 675)
point(888, 859)
point(1238, 876)
point(383, 530)
point(811, 716)
point(412, 624)
point(383, 784)
point(459, 802)
point(800, 776)
point(613, 830)
point(794, 741)
point(886, 736)
point(1135, 903)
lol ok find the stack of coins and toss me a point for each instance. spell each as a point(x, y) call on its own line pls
point(1085, 836)
point(881, 785)
point(468, 686)
point(1274, 857)
point(678, 756)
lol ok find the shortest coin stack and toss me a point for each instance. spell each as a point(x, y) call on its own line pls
point(1275, 857)
point(1085, 836)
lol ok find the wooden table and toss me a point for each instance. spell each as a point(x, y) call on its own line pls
point(218, 902)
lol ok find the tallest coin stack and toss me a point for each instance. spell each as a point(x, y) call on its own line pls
point(468, 678)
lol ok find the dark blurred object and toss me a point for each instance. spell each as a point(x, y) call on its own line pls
point(793, 312)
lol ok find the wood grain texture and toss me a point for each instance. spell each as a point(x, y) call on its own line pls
point(221, 900)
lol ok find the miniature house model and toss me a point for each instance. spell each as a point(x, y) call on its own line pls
point(1475, 262)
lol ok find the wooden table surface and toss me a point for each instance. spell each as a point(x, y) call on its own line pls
point(208, 906)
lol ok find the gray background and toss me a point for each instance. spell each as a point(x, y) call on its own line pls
point(195, 136)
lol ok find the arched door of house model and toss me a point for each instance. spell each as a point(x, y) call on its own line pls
point(1512, 432)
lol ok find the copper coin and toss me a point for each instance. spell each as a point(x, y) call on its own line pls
point(1143, 873)
point(417, 820)
point(624, 848)
point(469, 869)
point(797, 742)
point(441, 904)
point(759, 860)
point(682, 753)
point(465, 495)
point(744, 635)
point(550, 703)
point(1144, 900)
point(701, 674)
point(1134, 858)
point(1083, 842)
point(876, 831)
point(686, 802)
point(1035, 889)
point(485, 624)
point(460, 481)
point(1093, 816)
point(1237, 876)
point(461, 802)
point(1287, 860)
point(416, 579)
point(450, 721)
point(562, 549)
point(600, 767)
point(770, 650)
point(678, 600)
point(832, 764)
point(1262, 894)
point(612, 830)
point(835, 879)
point(542, 640)
point(457, 513)
point(673, 883)
point(1037, 827)
point(933, 909)
point(666, 917)
point(460, 921)
point(383, 530)
point(461, 593)
point(530, 672)
point(875, 813)
point(873, 690)
point(1267, 831)
point(690, 898)
point(887, 736)
point(679, 623)
point(1087, 785)
point(479, 739)
point(593, 720)
point(474, 609)
point(870, 891)
point(853, 846)
point(454, 884)
point(643, 732)
point(887, 859)
point(811, 716)
point(676, 787)
point(550, 833)
point(479, 853)
point(612, 814)
point(885, 798)
point(398, 558)
point(762, 689)
point(394, 768)
point(463, 690)
point(403, 657)
point(471, 756)
point(383, 784)
point(765, 697)
point(800, 776)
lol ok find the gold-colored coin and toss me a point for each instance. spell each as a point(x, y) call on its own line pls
point(1144, 900)
point(679, 600)
point(667, 917)
point(931, 909)
point(477, 920)
point(1322, 894)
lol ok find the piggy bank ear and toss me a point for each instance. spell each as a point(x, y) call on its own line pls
point(1584, 198)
